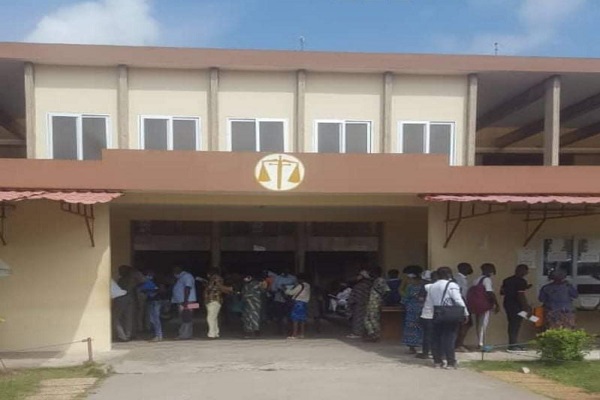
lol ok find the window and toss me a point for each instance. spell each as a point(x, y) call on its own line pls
point(426, 138)
point(343, 137)
point(77, 136)
point(265, 135)
point(170, 133)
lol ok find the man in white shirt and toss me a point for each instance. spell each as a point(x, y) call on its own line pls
point(443, 292)
point(184, 292)
point(482, 319)
point(464, 270)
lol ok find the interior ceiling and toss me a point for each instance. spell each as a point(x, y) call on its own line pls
point(498, 87)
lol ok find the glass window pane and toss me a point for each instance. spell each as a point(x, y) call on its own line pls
point(440, 137)
point(184, 134)
point(243, 136)
point(357, 138)
point(94, 137)
point(329, 137)
point(64, 138)
point(413, 138)
point(155, 134)
point(271, 136)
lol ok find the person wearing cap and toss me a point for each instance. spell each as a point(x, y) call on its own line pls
point(357, 303)
point(557, 298)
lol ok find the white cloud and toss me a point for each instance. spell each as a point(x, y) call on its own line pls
point(539, 23)
point(122, 22)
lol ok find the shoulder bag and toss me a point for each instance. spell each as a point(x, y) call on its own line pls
point(448, 311)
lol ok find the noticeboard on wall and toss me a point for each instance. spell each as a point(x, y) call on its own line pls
point(558, 254)
point(588, 256)
point(577, 256)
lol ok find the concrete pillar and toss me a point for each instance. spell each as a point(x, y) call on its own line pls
point(300, 112)
point(215, 245)
point(301, 244)
point(213, 110)
point(123, 107)
point(380, 227)
point(30, 111)
point(552, 122)
point(470, 141)
point(386, 114)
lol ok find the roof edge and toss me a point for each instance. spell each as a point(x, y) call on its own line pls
point(282, 60)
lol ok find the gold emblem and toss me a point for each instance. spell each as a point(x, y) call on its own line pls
point(279, 172)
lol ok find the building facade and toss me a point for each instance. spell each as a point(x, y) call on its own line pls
point(159, 157)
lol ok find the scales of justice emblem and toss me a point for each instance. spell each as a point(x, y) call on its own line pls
point(279, 172)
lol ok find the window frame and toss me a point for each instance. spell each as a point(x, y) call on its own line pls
point(79, 131)
point(170, 119)
point(427, 137)
point(343, 123)
point(257, 122)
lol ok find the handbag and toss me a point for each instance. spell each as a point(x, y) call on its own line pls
point(448, 312)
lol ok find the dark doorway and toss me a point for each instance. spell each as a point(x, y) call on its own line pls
point(329, 267)
point(162, 262)
point(255, 262)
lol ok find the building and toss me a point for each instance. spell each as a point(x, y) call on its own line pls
point(162, 156)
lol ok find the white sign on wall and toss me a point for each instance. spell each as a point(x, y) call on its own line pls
point(527, 257)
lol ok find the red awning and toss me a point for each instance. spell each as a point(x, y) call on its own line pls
point(502, 199)
point(67, 197)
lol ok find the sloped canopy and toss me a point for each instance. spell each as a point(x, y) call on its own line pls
point(503, 199)
point(67, 197)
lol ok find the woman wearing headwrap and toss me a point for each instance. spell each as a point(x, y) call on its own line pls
point(557, 297)
point(413, 302)
point(251, 309)
point(379, 290)
point(357, 304)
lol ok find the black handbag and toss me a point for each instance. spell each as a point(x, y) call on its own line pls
point(448, 312)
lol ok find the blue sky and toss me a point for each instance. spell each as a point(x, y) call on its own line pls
point(521, 27)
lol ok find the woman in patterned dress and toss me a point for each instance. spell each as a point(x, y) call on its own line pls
point(379, 290)
point(413, 305)
point(357, 304)
point(557, 298)
point(252, 302)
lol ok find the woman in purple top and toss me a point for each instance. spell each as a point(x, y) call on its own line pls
point(557, 297)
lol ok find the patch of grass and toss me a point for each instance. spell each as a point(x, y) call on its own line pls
point(18, 384)
point(582, 374)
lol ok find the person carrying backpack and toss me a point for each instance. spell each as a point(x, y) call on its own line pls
point(481, 300)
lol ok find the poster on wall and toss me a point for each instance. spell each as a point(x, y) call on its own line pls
point(527, 257)
point(588, 257)
point(589, 251)
point(558, 253)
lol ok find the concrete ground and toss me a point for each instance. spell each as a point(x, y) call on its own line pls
point(325, 368)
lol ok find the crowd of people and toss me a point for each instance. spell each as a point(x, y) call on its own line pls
point(428, 299)
point(141, 301)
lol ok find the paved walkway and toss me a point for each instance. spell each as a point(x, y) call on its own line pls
point(287, 370)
